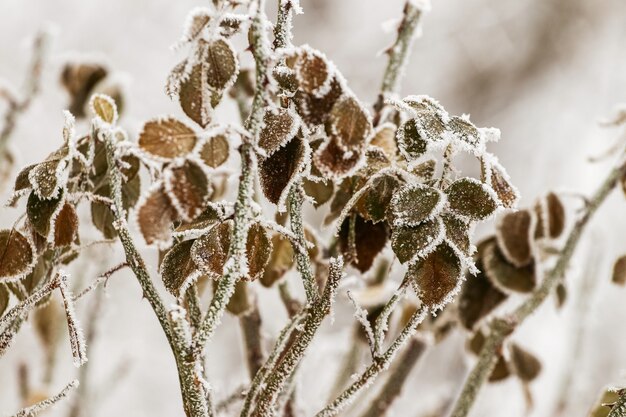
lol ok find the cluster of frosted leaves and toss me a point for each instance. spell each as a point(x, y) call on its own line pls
point(513, 360)
point(206, 255)
point(324, 103)
point(506, 262)
point(83, 79)
point(286, 154)
point(200, 81)
point(185, 184)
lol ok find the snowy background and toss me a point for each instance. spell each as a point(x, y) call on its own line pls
point(543, 71)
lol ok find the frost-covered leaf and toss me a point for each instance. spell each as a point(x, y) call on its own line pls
point(104, 107)
point(362, 245)
point(619, 271)
point(550, 217)
point(278, 170)
point(156, 216)
point(46, 178)
point(194, 96)
point(279, 127)
point(506, 192)
point(258, 250)
point(385, 139)
point(312, 72)
point(477, 299)
point(437, 276)
point(503, 274)
point(410, 242)
point(196, 20)
point(526, 366)
point(41, 212)
point(426, 170)
point(414, 204)
point(281, 260)
point(65, 226)
point(457, 233)
point(222, 66)
point(209, 216)
point(374, 204)
point(514, 237)
point(470, 198)
point(21, 181)
point(333, 162)
point(320, 190)
point(215, 151)
point(187, 188)
point(349, 123)
point(210, 251)
point(167, 138)
point(465, 132)
point(177, 267)
point(79, 79)
point(315, 110)
point(16, 255)
point(410, 143)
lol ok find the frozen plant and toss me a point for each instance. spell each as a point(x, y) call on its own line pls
point(385, 178)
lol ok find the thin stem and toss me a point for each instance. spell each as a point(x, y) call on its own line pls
point(251, 324)
point(393, 386)
point(285, 368)
point(33, 410)
point(194, 399)
point(378, 365)
point(233, 269)
point(303, 260)
point(501, 328)
point(398, 56)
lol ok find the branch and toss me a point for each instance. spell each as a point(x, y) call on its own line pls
point(233, 269)
point(501, 328)
point(45, 404)
point(315, 314)
point(378, 365)
point(393, 387)
point(399, 54)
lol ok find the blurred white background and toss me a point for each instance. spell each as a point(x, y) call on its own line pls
point(543, 71)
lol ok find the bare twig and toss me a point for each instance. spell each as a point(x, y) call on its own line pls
point(315, 314)
point(33, 410)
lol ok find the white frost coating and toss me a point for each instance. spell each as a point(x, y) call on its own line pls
point(191, 29)
point(77, 339)
point(490, 134)
point(323, 89)
point(92, 107)
point(400, 221)
point(491, 162)
point(432, 245)
point(361, 316)
point(53, 219)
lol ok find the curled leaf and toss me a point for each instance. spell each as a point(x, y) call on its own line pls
point(504, 275)
point(514, 237)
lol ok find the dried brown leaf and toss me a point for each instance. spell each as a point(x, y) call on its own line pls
point(167, 138)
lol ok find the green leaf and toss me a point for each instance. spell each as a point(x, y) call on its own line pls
point(470, 198)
